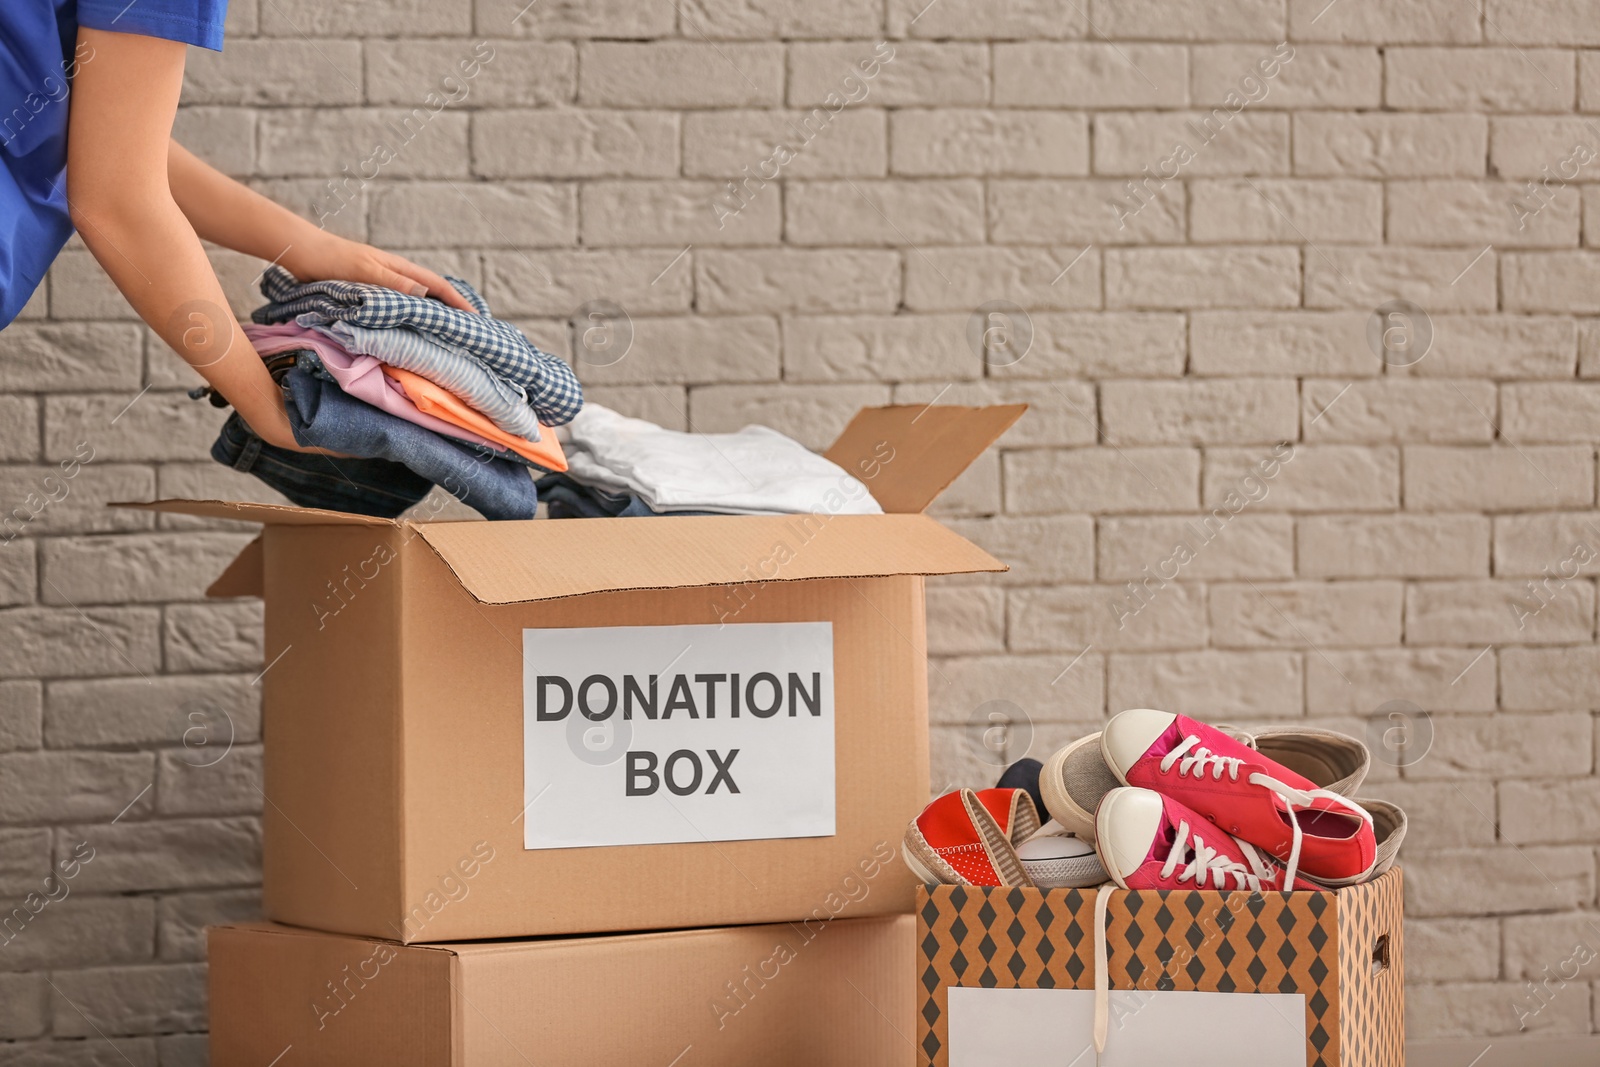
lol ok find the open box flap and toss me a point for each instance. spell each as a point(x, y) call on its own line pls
point(267, 514)
point(931, 445)
point(515, 562)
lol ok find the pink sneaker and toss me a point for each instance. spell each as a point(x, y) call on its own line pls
point(1150, 841)
point(1243, 792)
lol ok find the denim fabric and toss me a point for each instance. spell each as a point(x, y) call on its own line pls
point(553, 390)
point(567, 499)
point(499, 401)
point(324, 416)
point(361, 486)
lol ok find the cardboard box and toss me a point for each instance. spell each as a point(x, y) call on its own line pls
point(444, 703)
point(802, 995)
point(1006, 976)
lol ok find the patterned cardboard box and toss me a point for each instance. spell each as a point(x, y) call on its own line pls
point(1342, 950)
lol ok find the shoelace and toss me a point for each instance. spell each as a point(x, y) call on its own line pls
point(1207, 863)
point(1194, 760)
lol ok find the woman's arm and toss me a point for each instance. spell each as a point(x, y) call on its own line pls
point(226, 213)
point(142, 204)
point(121, 202)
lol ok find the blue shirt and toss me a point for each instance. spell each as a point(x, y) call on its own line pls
point(38, 57)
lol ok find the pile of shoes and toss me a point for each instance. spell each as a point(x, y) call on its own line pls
point(1162, 801)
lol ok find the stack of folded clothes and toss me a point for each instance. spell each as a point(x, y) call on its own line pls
point(410, 393)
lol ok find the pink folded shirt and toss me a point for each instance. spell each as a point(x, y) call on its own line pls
point(360, 376)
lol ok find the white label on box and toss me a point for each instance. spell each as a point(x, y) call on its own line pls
point(640, 735)
point(1008, 1027)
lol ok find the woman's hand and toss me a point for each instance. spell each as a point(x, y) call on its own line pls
point(327, 257)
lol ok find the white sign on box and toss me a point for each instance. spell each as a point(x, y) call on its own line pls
point(1007, 1027)
point(640, 735)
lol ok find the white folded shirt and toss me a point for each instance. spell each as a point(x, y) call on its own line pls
point(757, 471)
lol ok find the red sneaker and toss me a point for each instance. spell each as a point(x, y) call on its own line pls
point(970, 838)
point(1150, 841)
point(1246, 794)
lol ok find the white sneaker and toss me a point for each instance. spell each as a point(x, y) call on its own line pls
point(1055, 859)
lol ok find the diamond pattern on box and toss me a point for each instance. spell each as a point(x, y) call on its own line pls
point(1317, 944)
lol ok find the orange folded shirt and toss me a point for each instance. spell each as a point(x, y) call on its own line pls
point(446, 406)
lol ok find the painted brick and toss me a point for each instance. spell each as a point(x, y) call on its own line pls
point(1164, 143)
point(1557, 545)
point(559, 283)
point(1563, 22)
point(946, 143)
point(1202, 277)
point(321, 143)
point(1083, 212)
point(1289, 211)
point(797, 280)
point(1398, 410)
point(676, 350)
point(1040, 279)
point(1455, 280)
point(814, 415)
point(1393, 546)
point(575, 144)
point(1101, 480)
point(595, 18)
point(1498, 612)
point(1286, 343)
point(1462, 212)
point(1232, 20)
point(1314, 478)
point(1390, 145)
point(795, 144)
point(884, 213)
point(1314, 615)
point(878, 348)
point(1498, 478)
point(1090, 75)
point(1208, 683)
point(1361, 682)
point(1112, 344)
point(1318, 75)
point(1498, 346)
point(689, 74)
point(678, 213)
point(1106, 617)
point(988, 19)
point(488, 73)
point(1246, 546)
point(913, 74)
point(1423, 21)
point(1479, 79)
point(1204, 411)
point(503, 215)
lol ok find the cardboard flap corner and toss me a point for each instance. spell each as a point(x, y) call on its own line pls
point(907, 454)
point(247, 511)
point(539, 559)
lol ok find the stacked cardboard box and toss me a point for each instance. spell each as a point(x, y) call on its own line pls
point(483, 739)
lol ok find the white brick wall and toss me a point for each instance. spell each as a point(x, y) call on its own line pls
point(1390, 559)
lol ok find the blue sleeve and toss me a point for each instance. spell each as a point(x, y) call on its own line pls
point(196, 22)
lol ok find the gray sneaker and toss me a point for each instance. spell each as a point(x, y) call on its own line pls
point(1334, 761)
